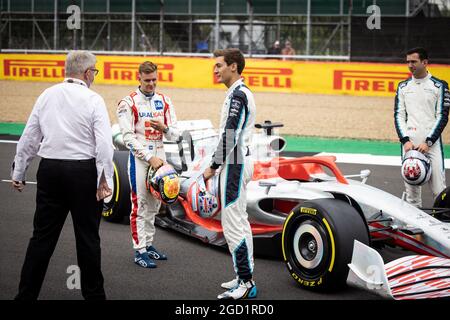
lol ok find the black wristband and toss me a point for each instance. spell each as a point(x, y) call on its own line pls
point(404, 140)
point(214, 166)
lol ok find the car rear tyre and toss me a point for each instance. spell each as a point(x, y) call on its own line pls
point(118, 205)
point(317, 242)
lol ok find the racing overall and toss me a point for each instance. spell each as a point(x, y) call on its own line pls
point(232, 155)
point(421, 114)
point(134, 114)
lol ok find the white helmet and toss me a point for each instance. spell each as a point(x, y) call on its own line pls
point(204, 197)
point(416, 168)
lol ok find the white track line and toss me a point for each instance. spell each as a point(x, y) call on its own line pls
point(26, 182)
point(342, 157)
point(370, 159)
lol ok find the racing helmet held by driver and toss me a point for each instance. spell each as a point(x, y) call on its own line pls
point(416, 168)
point(163, 183)
point(204, 196)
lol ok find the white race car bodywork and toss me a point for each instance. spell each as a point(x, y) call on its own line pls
point(436, 234)
point(433, 236)
point(281, 184)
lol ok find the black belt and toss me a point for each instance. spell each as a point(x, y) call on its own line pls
point(71, 160)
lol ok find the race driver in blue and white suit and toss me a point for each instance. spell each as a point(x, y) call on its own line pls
point(232, 157)
point(144, 116)
point(421, 114)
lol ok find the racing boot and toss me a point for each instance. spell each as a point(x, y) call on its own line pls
point(230, 284)
point(154, 254)
point(143, 260)
point(245, 290)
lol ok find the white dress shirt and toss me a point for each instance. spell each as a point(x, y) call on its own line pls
point(69, 121)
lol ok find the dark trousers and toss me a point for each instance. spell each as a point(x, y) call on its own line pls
point(64, 186)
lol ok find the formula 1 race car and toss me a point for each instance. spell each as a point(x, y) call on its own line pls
point(304, 209)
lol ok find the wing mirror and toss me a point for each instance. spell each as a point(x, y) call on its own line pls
point(267, 184)
point(363, 174)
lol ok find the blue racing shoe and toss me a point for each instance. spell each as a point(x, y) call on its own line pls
point(143, 260)
point(154, 254)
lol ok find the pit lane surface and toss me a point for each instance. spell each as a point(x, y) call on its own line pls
point(193, 271)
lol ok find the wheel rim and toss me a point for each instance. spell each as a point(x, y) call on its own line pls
point(308, 246)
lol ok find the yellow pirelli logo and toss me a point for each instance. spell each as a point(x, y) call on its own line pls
point(308, 210)
point(307, 283)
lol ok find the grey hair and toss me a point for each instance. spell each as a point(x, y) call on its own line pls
point(78, 61)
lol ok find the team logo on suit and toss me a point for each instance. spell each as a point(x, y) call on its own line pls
point(159, 105)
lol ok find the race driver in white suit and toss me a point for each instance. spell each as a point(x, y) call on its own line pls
point(144, 117)
point(236, 170)
point(421, 114)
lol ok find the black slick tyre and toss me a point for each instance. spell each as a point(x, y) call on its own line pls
point(443, 199)
point(118, 205)
point(317, 243)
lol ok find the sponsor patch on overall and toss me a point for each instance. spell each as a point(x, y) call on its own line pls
point(234, 108)
point(159, 105)
point(122, 110)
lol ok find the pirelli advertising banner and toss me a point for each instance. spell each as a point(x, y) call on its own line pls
point(269, 75)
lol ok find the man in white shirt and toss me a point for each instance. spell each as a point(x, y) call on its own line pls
point(144, 117)
point(69, 129)
point(421, 114)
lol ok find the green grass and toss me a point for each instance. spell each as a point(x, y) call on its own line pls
point(374, 147)
point(11, 128)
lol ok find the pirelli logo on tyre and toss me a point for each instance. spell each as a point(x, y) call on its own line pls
point(308, 210)
point(307, 283)
point(33, 69)
point(266, 77)
point(367, 81)
point(129, 71)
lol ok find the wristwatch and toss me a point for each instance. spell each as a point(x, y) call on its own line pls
point(429, 143)
point(166, 129)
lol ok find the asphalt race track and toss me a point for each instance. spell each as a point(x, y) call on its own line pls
point(194, 271)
